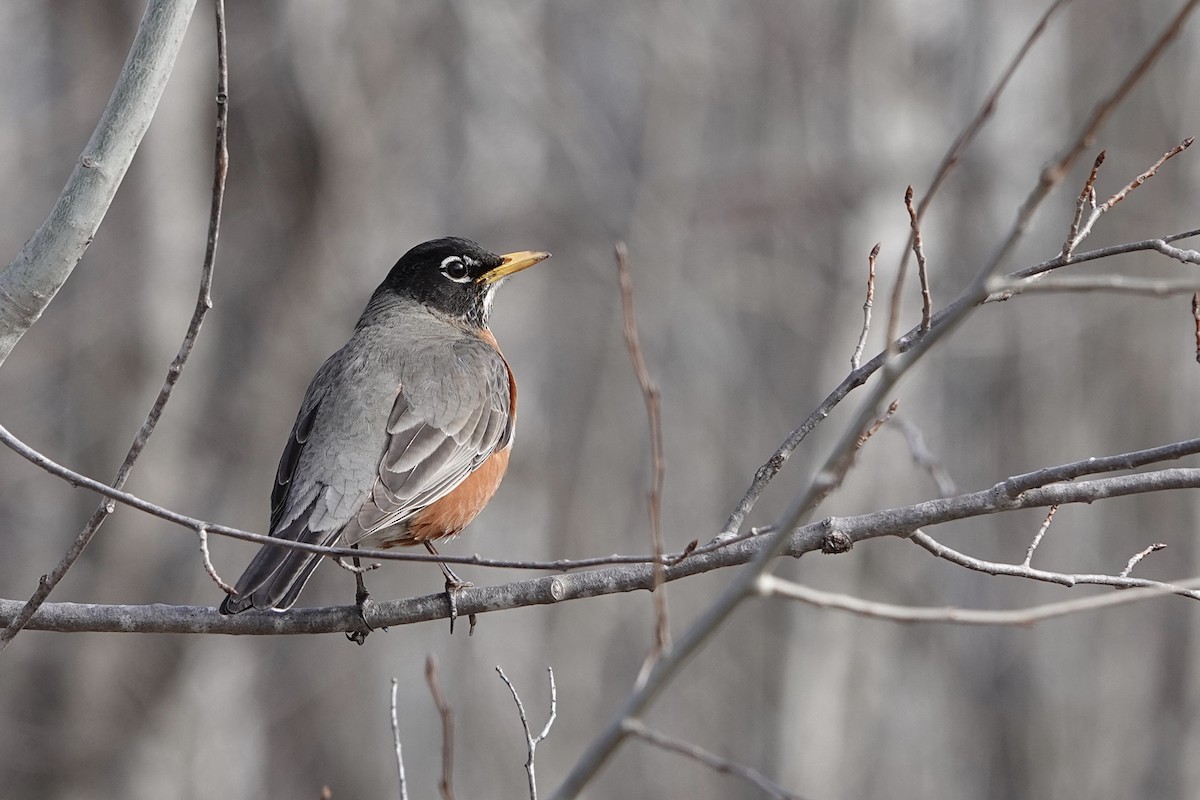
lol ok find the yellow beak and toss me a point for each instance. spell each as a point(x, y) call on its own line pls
point(513, 262)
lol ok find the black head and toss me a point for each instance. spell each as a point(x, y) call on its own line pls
point(455, 276)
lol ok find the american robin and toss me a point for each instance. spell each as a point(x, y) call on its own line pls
point(404, 433)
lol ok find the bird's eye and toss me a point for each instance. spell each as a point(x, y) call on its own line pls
point(455, 269)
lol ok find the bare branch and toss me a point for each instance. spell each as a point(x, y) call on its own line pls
point(986, 109)
point(202, 533)
point(1037, 538)
point(1038, 489)
point(959, 146)
point(396, 743)
point(1081, 226)
point(1119, 284)
point(203, 303)
point(635, 727)
point(1147, 175)
point(662, 631)
point(1196, 317)
point(1087, 199)
point(1183, 256)
point(1061, 578)
point(923, 457)
point(1133, 562)
point(877, 424)
point(531, 741)
point(772, 586)
point(29, 283)
point(914, 221)
point(446, 784)
point(1093, 255)
point(767, 472)
point(856, 357)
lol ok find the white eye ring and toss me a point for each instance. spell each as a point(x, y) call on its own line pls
point(454, 269)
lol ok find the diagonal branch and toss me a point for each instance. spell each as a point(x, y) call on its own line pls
point(634, 727)
point(834, 468)
point(30, 281)
point(203, 303)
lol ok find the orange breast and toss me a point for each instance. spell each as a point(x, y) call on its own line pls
point(452, 513)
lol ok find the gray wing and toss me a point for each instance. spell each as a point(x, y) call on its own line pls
point(457, 414)
point(364, 455)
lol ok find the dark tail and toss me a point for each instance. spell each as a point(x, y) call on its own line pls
point(277, 574)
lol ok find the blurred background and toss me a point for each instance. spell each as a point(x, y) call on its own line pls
point(751, 152)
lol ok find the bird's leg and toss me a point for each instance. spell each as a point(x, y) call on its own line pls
point(362, 600)
point(454, 585)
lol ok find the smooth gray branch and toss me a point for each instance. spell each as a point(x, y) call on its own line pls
point(30, 281)
point(532, 740)
point(399, 749)
point(770, 586)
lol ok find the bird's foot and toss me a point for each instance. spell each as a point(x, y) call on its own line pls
point(362, 629)
point(454, 585)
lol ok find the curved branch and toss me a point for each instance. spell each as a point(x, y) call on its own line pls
point(203, 304)
point(29, 283)
point(770, 586)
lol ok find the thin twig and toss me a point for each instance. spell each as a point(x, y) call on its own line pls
point(988, 107)
point(531, 741)
point(1196, 318)
point(877, 424)
point(922, 268)
point(446, 784)
point(202, 533)
point(856, 357)
point(923, 457)
point(1037, 538)
point(1145, 176)
point(662, 631)
point(1118, 284)
point(967, 135)
point(1160, 244)
point(203, 302)
point(830, 478)
point(1081, 226)
point(1086, 199)
point(1061, 578)
point(355, 569)
point(769, 585)
point(635, 727)
point(399, 749)
point(1133, 562)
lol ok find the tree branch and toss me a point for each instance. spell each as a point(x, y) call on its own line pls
point(635, 727)
point(770, 586)
point(203, 303)
point(1053, 486)
point(30, 281)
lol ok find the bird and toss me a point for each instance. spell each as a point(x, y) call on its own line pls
point(404, 433)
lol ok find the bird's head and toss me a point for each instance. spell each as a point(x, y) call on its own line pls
point(455, 277)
